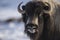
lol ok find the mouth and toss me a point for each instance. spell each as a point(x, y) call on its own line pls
point(32, 31)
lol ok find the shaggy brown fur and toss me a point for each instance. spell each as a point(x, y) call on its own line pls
point(48, 21)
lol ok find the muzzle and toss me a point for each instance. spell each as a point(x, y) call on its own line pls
point(32, 28)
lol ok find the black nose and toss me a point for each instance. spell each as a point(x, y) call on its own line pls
point(31, 25)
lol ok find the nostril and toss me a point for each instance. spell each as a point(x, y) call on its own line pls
point(32, 25)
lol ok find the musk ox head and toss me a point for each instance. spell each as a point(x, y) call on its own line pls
point(36, 17)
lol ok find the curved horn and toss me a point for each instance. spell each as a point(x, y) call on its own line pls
point(19, 10)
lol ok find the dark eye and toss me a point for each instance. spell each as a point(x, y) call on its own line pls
point(46, 8)
point(23, 7)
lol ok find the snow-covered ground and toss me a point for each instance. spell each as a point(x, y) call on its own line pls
point(12, 31)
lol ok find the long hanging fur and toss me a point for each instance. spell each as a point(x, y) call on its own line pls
point(51, 28)
point(54, 21)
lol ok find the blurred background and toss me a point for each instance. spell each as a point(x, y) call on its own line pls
point(11, 25)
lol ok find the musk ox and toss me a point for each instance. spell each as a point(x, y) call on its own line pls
point(42, 19)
